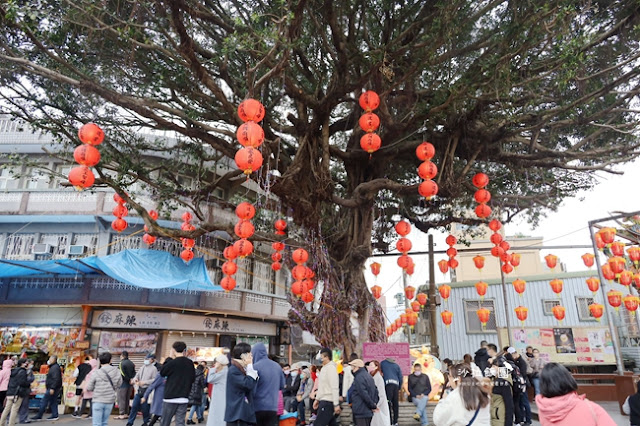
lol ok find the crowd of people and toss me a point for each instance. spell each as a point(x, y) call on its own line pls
point(248, 387)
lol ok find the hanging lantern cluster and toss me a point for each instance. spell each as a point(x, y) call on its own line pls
point(187, 243)
point(87, 155)
point(482, 196)
point(427, 170)
point(250, 135)
point(521, 312)
point(303, 276)
point(120, 211)
point(147, 238)
point(229, 268)
point(452, 252)
point(376, 290)
point(605, 237)
point(369, 122)
point(501, 248)
point(276, 256)
point(404, 246)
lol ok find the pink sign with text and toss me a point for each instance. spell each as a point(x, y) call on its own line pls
point(381, 351)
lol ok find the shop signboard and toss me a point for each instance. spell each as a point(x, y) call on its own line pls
point(136, 320)
point(565, 345)
point(381, 351)
point(134, 343)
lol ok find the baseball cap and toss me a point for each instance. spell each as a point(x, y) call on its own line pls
point(150, 356)
point(357, 363)
point(511, 350)
point(222, 359)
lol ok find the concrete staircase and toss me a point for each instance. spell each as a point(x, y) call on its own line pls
point(405, 414)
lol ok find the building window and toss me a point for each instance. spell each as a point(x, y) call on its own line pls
point(547, 306)
point(582, 303)
point(8, 179)
point(471, 317)
point(37, 179)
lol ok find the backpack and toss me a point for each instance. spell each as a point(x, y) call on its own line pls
point(519, 383)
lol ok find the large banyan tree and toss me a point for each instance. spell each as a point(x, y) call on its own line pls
point(539, 95)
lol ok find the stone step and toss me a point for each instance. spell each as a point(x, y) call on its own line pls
point(405, 414)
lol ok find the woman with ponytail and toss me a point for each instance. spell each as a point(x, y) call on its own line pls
point(467, 404)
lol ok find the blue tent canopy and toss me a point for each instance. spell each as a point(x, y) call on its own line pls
point(151, 269)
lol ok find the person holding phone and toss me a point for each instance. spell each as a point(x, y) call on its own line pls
point(241, 382)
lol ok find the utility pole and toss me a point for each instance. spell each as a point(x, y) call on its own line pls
point(433, 335)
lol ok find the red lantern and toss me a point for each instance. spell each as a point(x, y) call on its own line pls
point(276, 256)
point(280, 226)
point(631, 303)
point(607, 273)
point(422, 299)
point(403, 228)
point(495, 225)
point(481, 288)
point(250, 134)
point(634, 254)
point(376, 291)
point(86, 155)
point(552, 260)
point(444, 291)
point(444, 266)
point(244, 229)
point(482, 196)
point(497, 251)
point(370, 142)
point(186, 255)
point(483, 316)
point(120, 211)
point(300, 256)
point(596, 310)
point(496, 238)
point(506, 257)
point(153, 214)
point(187, 217)
point(245, 211)
point(118, 199)
point(607, 235)
point(299, 272)
point(119, 225)
point(617, 264)
point(480, 180)
point(243, 247)
point(446, 317)
point(451, 240)
point(615, 298)
point(519, 286)
point(299, 287)
point(415, 305)
point(251, 110)
point(369, 101)
point(427, 170)
point(636, 279)
point(186, 226)
point(248, 160)
point(375, 268)
point(412, 319)
point(229, 268)
point(428, 189)
point(277, 246)
point(452, 252)
point(556, 286)
point(483, 211)
point(398, 323)
point(81, 177)
point(515, 259)
point(91, 134)
point(188, 243)
point(403, 318)
point(369, 122)
point(425, 151)
point(593, 284)
point(148, 239)
point(307, 297)
point(625, 278)
point(227, 284)
point(453, 263)
point(276, 266)
point(404, 261)
point(599, 243)
point(479, 261)
point(558, 312)
point(410, 292)
point(617, 248)
point(522, 313)
point(403, 245)
point(507, 268)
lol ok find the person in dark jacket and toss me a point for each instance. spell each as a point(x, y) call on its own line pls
point(392, 374)
point(19, 388)
point(291, 386)
point(502, 398)
point(23, 413)
point(272, 381)
point(363, 394)
point(522, 407)
point(481, 357)
point(128, 371)
point(195, 396)
point(180, 376)
point(241, 381)
point(419, 390)
point(53, 384)
point(631, 407)
point(80, 374)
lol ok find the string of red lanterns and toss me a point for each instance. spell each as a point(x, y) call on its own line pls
point(482, 196)
point(427, 170)
point(302, 275)
point(147, 238)
point(250, 135)
point(187, 243)
point(369, 122)
point(87, 155)
point(119, 211)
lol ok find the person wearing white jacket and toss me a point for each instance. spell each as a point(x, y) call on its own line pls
point(467, 404)
point(382, 417)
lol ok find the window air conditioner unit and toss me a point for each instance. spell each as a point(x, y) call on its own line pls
point(76, 250)
point(42, 248)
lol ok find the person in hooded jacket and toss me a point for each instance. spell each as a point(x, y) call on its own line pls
point(501, 394)
point(631, 407)
point(481, 356)
point(559, 403)
point(196, 395)
point(363, 394)
point(5, 373)
point(266, 393)
point(18, 388)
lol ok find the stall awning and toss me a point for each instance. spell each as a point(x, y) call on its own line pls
point(151, 269)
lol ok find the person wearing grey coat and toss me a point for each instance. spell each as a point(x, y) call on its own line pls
point(103, 383)
point(218, 377)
